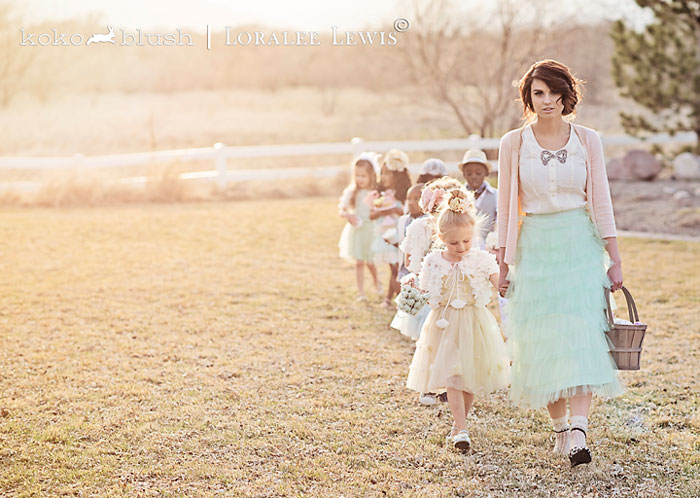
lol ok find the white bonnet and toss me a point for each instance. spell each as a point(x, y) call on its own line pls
point(433, 166)
point(372, 157)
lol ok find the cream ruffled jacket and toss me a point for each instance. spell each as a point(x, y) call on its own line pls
point(416, 244)
point(477, 266)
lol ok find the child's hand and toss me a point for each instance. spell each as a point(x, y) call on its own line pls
point(370, 197)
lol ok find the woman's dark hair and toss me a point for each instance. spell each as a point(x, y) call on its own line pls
point(559, 80)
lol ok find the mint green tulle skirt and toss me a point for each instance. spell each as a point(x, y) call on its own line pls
point(556, 323)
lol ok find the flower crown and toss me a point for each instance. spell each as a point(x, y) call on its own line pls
point(396, 160)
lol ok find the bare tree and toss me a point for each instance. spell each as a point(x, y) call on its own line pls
point(14, 62)
point(471, 63)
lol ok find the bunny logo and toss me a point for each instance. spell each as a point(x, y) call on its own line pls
point(99, 37)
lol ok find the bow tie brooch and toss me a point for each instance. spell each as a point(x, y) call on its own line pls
point(547, 156)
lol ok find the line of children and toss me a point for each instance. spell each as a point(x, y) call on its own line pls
point(415, 233)
point(374, 203)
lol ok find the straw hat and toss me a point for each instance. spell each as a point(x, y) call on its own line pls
point(475, 156)
point(396, 160)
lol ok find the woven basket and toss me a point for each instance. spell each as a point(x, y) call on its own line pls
point(625, 339)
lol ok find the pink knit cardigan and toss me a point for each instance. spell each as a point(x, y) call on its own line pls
point(597, 189)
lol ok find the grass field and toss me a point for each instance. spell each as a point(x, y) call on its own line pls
point(215, 349)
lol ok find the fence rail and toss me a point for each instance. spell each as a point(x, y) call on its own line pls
point(220, 153)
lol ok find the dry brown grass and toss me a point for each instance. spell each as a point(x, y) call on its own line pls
point(215, 349)
point(163, 185)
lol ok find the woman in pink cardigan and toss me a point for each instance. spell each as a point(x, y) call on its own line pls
point(555, 220)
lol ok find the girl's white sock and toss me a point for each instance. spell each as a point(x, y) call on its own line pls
point(561, 438)
point(560, 424)
point(579, 422)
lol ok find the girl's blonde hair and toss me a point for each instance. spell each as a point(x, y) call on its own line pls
point(458, 210)
point(362, 163)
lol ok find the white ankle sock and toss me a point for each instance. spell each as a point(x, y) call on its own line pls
point(579, 422)
point(560, 424)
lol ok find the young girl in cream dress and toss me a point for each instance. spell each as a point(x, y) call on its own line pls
point(460, 347)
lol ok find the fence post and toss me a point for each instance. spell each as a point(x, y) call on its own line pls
point(221, 175)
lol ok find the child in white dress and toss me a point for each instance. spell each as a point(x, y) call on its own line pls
point(357, 239)
point(420, 235)
point(409, 325)
point(460, 348)
point(386, 207)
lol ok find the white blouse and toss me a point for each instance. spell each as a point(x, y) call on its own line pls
point(555, 186)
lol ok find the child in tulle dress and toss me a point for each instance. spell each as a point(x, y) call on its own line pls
point(358, 234)
point(409, 325)
point(460, 348)
point(387, 205)
point(419, 240)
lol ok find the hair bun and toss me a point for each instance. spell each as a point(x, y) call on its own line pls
point(460, 201)
point(458, 194)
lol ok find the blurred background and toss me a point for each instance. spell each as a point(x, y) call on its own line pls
point(451, 75)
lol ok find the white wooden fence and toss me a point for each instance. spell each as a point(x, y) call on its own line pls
point(219, 154)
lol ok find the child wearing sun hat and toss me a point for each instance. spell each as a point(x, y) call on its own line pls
point(475, 168)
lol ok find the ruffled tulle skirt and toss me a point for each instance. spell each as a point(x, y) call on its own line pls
point(468, 355)
point(385, 253)
point(356, 242)
point(556, 323)
point(410, 325)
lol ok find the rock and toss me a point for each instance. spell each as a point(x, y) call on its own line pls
point(614, 169)
point(697, 191)
point(668, 190)
point(686, 166)
point(681, 194)
point(640, 165)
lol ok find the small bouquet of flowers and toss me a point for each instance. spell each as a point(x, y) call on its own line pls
point(380, 202)
point(411, 299)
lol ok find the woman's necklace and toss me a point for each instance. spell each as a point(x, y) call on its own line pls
point(546, 156)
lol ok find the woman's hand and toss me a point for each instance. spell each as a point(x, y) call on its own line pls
point(615, 271)
point(615, 276)
point(503, 282)
point(374, 214)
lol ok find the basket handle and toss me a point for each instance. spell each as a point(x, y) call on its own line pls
point(631, 306)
